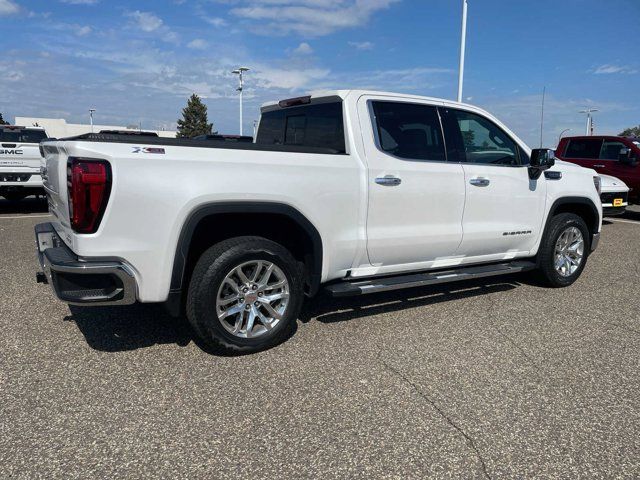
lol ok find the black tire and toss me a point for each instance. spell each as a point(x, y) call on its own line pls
point(547, 273)
point(14, 196)
point(212, 268)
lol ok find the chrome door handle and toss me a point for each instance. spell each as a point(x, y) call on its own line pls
point(598, 166)
point(480, 182)
point(388, 181)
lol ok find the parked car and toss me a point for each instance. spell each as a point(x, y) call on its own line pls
point(355, 192)
point(20, 161)
point(608, 155)
point(614, 195)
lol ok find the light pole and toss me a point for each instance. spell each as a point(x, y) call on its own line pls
point(562, 133)
point(91, 112)
point(588, 111)
point(463, 44)
point(240, 71)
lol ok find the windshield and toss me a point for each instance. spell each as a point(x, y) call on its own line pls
point(22, 136)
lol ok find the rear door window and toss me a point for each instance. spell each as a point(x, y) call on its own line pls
point(584, 148)
point(320, 125)
point(408, 130)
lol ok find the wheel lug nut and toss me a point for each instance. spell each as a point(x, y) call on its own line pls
point(255, 287)
point(260, 294)
point(256, 304)
point(247, 307)
point(245, 290)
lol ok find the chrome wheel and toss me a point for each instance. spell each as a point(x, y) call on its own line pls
point(569, 251)
point(252, 299)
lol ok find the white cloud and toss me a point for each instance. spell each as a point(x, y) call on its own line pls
point(608, 69)
point(311, 18)
point(214, 21)
point(197, 44)
point(146, 21)
point(8, 7)
point(82, 31)
point(303, 49)
point(362, 45)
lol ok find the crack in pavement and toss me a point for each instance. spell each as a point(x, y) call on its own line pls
point(441, 412)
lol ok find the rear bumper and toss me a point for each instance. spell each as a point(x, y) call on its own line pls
point(82, 281)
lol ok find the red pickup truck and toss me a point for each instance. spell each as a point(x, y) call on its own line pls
point(609, 155)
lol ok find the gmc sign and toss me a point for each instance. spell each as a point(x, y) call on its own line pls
point(11, 152)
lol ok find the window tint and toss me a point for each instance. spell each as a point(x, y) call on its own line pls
point(485, 142)
point(611, 150)
point(22, 136)
point(409, 130)
point(584, 148)
point(319, 125)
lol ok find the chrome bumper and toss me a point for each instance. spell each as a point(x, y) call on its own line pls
point(82, 281)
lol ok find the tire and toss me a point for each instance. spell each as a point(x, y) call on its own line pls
point(548, 273)
point(14, 196)
point(215, 279)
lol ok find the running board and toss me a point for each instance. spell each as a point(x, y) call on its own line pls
point(385, 284)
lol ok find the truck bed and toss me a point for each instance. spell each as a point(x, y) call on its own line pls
point(188, 142)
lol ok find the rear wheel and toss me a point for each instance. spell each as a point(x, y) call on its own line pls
point(564, 250)
point(245, 295)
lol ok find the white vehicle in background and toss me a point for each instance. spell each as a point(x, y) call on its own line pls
point(352, 191)
point(614, 195)
point(20, 161)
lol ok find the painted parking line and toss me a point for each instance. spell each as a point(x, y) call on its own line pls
point(619, 220)
point(13, 217)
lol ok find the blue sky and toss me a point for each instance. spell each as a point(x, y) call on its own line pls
point(139, 61)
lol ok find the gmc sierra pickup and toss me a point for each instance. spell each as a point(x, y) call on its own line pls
point(20, 161)
point(354, 192)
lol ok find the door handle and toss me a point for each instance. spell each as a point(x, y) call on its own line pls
point(480, 182)
point(598, 166)
point(388, 181)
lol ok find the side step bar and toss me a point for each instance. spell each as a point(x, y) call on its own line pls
point(385, 284)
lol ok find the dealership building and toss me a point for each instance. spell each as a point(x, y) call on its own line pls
point(59, 128)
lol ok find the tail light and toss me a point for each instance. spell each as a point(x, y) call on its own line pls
point(89, 186)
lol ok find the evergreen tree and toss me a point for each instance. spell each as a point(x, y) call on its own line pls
point(2, 122)
point(194, 119)
point(631, 132)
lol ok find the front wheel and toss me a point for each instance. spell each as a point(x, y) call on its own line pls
point(564, 250)
point(245, 295)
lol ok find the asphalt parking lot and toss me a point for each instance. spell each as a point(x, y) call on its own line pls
point(499, 378)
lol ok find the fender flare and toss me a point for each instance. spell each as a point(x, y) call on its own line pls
point(206, 210)
point(575, 200)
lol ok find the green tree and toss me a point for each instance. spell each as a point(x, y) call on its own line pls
point(631, 132)
point(194, 119)
point(2, 121)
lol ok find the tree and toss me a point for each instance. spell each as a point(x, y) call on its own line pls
point(194, 119)
point(631, 132)
point(2, 121)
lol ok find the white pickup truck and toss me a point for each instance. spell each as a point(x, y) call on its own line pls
point(20, 161)
point(354, 192)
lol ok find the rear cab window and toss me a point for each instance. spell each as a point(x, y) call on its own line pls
point(318, 125)
point(21, 135)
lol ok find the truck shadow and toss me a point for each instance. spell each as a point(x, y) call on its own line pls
point(26, 206)
point(120, 329)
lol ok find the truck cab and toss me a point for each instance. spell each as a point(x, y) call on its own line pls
point(609, 155)
point(20, 161)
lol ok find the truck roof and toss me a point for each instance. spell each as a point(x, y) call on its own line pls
point(343, 94)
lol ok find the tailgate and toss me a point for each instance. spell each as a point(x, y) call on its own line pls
point(54, 177)
point(20, 156)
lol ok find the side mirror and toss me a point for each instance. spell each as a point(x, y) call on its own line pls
point(626, 157)
point(541, 159)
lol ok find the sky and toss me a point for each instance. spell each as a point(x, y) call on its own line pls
point(137, 62)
